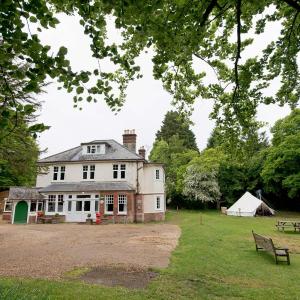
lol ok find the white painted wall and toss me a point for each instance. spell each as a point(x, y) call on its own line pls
point(103, 172)
point(150, 203)
point(149, 183)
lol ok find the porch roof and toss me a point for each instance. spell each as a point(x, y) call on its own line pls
point(87, 187)
point(24, 193)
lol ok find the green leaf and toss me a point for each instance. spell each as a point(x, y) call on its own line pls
point(79, 90)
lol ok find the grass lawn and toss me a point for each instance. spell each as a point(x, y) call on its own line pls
point(215, 259)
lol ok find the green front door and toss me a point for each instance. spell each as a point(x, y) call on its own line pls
point(21, 212)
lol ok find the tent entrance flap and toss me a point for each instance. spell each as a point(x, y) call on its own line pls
point(263, 210)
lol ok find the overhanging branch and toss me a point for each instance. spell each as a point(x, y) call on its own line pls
point(238, 48)
point(207, 12)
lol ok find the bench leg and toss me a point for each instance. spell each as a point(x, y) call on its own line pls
point(288, 259)
point(276, 259)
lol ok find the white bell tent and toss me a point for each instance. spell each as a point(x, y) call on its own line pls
point(249, 206)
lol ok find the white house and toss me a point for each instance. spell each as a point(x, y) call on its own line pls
point(99, 176)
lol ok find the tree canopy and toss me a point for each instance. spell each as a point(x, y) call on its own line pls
point(200, 185)
point(281, 169)
point(177, 124)
point(18, 156)
point(182, 33)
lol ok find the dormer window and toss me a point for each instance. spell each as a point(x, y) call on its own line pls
point(95, 149)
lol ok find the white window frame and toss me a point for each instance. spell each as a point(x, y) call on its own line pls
point(5, 204)
point(59, 170)
point(95, 149)
point(83, 206)
point(55, 199)
point(108, 199)
point(60, 198)
point(70, 205)
point(120, 171)
point(158, 200)
point(52, 199)
point(36, 206)
point(79, 200)
point(55, 171)
point(115, 171)
point(40, 205)
point(88, 170)
point(92, 171)
point(157, 174)
point(62, 172)
point(122, 199)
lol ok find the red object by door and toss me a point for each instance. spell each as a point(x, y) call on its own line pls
point(98, 218)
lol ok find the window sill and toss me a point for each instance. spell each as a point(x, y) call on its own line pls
point(108, 213)
point(122, 214)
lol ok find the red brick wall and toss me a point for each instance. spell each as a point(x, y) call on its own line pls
point(139, 202)
point(3, 194)
point(159, 216)
point(62, 218)
point(130, 217)
point(6, 216)
point(31, 219)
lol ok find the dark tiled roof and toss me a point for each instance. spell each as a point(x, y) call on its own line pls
point(114, 151)
point(87, 187)
point(24, 193)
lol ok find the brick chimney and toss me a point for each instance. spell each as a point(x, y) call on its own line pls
point(142, 152)
point(129, 140)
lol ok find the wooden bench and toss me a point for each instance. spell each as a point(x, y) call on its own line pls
point(264, 243)
point(288, 224)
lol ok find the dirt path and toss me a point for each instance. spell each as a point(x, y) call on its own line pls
point(49, 250)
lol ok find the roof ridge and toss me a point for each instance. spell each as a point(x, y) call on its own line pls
point(59, 153)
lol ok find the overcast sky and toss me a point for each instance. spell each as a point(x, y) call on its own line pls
point(144, 110)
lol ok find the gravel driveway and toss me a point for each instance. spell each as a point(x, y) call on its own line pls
point(49, 250)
